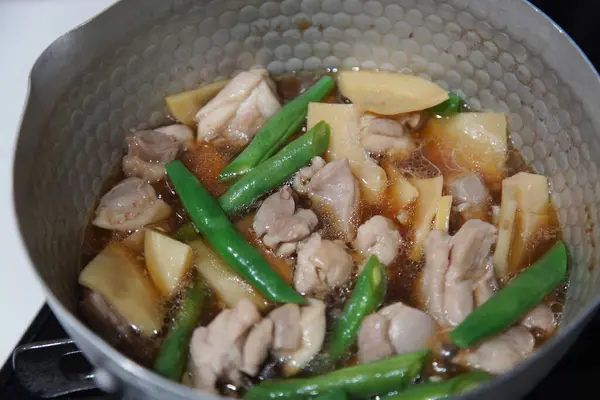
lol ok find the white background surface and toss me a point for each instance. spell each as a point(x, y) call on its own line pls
point(27, 27)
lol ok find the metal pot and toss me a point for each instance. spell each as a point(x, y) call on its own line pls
point(110, 75)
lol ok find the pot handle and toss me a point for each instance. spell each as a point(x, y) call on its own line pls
point(53, 368)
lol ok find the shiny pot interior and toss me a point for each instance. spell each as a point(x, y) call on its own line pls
point(109, 76)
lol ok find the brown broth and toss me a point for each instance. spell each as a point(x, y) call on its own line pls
point(206, 161)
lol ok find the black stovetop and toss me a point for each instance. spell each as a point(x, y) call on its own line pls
point(577, 371)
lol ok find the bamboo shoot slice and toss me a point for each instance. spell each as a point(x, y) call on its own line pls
point(442, 216)
point(344, 141)
point(508, 212)
point(167, 261)
point(522, 194)
point(184, 106)
point(228, 285)
point(390, 93)
point(474, 142)
point(531, 191)
point(430, 193)
point(118, 276)
point(527, 230)
point(403, 193)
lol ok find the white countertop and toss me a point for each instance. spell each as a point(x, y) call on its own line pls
point(27, 27)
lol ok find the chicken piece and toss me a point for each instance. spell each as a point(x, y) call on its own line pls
point(540, 317)
point(373, 341)
point(485, 286)
point(437, 253)
point(257, 347)
point(457, 271)
point(470, 196)
point(179, 132)
point(378, 236)
point(150, 150)
point(313, 323)
point(303, 176)
point(129, 205)
point(287, 332)
point(321, 264)
point(395, 329)
point(500, 353)
point(334, 193)
point(217, 350)
point(410, 329)
point(280, 224)
point(240, 109)
point(387, 135)
point(470, 255)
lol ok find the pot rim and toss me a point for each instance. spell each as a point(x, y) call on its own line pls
point(147, 378)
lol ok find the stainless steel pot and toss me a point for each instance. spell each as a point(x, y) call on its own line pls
point(109, 75)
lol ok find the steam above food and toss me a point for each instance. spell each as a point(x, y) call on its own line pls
point(350, 233)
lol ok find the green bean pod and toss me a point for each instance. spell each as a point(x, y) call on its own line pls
point(358, 381)
point(449, 107)
point(227, 242)
point(275, 170)
point(511, 303)
point(172, 355)
point(440, 390)
point(277, 131)
point(366, 298)
point(186, 233)
point(333, 395)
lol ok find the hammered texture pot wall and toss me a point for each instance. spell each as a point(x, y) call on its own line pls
point(110, 77)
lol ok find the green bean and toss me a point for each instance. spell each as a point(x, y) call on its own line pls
point(523, 293)
point(186, 233)
point(358, 381)
point(440, 390)
point(366, 298)
point(227, 242)
point(449, 107)
point(333, 395)
point(173, 351)
point(276, 169)
point(277, 131)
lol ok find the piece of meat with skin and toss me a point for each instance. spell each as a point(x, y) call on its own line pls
point(279, 222)
point(385, 135)
point(500, 353)
point(256, 348)
point(540, 317)
point(216, 350)
point(131, 204)
point(287, 331)
point(321, 265)
point(278, 205)
point(302, 177)
point(470, 196)
point(410, 329)
point(313, 323)
point(181, 133)
point(373, 340)
point(437, 261)
point(470, 254)
point(458, 273)
point(486, 286)
point(395, 329)
point(378, 236)
point(335, 193)
point(150, 150)
point(240, 109)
